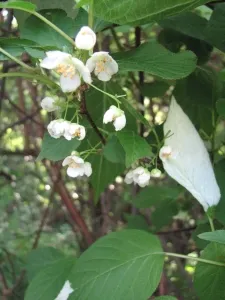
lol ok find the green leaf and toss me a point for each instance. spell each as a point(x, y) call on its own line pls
point(36, 30)
point(163, 214)
point(113, 151)
point(134, 112)
point(104, 173)
point(220, 106)
point(41, 258)
point(197, 95)
point(187, 23)
point(209, 280)
point(15, 46)
point(123, 265)
point(135, 146)
point(56, 149)
point(155, 59)
point(220, 177)
point(154, 89)
point(82, 3)
point(141, 12)
point(155, 195)
point(215, 30)
point(22, 5)
point(217, 236)
point(48, 283)
point(202, 227)
point(136, 222)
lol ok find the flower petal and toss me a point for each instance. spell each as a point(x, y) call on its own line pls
point(69, 84)
point(74, 172)
point(191, 166)
point(53, 59)
point(103, 76)
point(85, 39)
point(65, 291)
point(87, 169)
point(120, 122)
point(67, 161)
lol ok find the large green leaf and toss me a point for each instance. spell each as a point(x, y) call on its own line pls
point(142, 11)
point(21, 5)
point(123, 265)
point(220, 106)
point(36, 30)
point(154, 89)
point(215, 30)
point(17, 47)
point(187, 23)
point(197, 95)
point(41, 258)
point(48, 283)
point(217, 236)
point(153, 58)
point(135, 146)
point(113, 151)
point(136, 222)
point(155, 195)
point(209, 280)
point(220, 176)
point(104, 173)
point(56, 149)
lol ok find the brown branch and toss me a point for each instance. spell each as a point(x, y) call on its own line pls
point(30, 152)
point(176, 230)
point(84, 111)
point(140, 75)
point(60, 188)
point(43, 221)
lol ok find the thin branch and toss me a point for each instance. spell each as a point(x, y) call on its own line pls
point(84, 111)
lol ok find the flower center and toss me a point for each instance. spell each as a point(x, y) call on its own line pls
point(74, 165)
point(67, 70)
point(100, 66)
point(77, 133)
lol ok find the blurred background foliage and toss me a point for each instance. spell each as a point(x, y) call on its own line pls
point(36, 196)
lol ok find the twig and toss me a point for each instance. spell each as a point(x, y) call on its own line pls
point(84, 111)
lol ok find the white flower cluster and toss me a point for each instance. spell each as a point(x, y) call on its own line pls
point(72, 71)
point(60, 127)
point(141, 176)
point(77, 166)
point(186, 159)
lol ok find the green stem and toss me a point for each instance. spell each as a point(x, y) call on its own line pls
point(54, 27)
point(90, 14)
point(41, 78)
point(22, 64)
point(109, 95)
point(211, 223)
point(206, 261)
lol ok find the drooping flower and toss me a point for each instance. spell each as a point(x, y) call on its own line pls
point(103, 65)
point(71, 69)
point(77, 167)
point(56, 128)
point(74, 130)
point(85, 39)
point(115, 115)
point(186, 159)
point(65, 291)
point(140, 176)
point(49, 104)
point(156, 173)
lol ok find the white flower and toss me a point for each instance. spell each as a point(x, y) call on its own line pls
point(155, 173)
point(74, 130)
point(186, 159)
point(85, 39)
point(115, 115)
point(49, 104)
point(65, 291)
point(56, 128)
point(70, 68)
point(140, 175)
point(77, 166)
point(103, 65)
